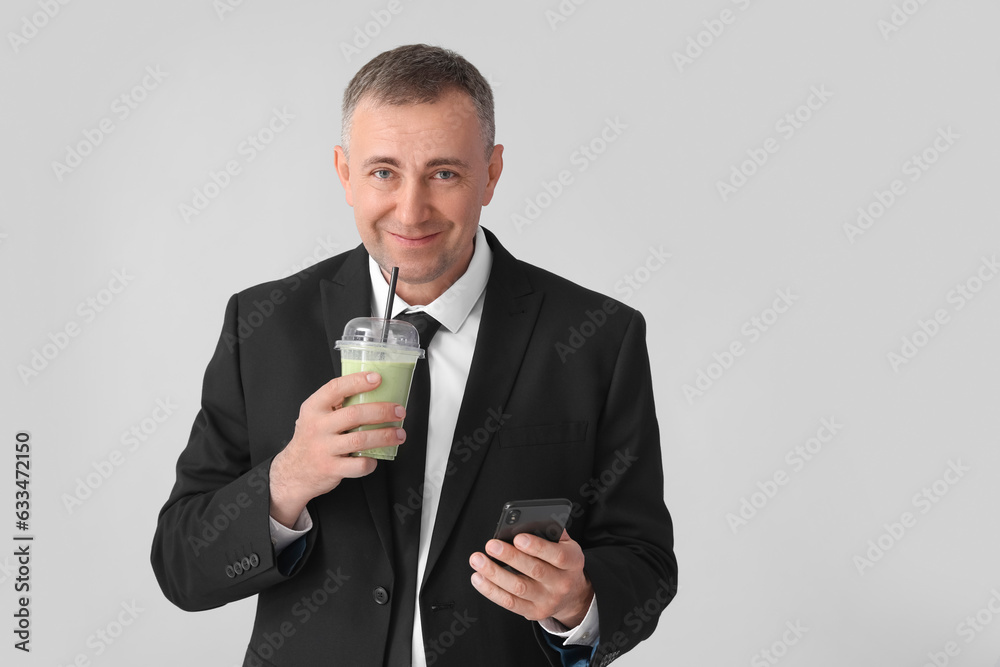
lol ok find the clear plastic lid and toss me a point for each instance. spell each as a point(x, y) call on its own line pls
point(368, 331)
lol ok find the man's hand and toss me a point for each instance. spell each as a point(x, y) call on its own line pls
point(316, 460)
point(552, 582)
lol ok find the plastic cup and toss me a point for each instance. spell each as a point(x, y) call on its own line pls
point(362, 349)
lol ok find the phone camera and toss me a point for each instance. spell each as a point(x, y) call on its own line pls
point(513, 516)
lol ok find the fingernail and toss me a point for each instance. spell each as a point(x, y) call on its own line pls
point(522, 541)
point(372, 378)
point(478, 561)
point(494, 547)
point(477, 579)
point(400, 434)
point(400, 412)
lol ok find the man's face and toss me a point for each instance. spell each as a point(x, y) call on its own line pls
point(417, 179)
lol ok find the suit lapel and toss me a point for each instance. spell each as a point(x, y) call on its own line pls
point(346, 296)
point(509, 314)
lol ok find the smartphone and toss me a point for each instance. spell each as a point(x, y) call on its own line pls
point(545, 518)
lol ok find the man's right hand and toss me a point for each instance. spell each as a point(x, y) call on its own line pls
point(316, 459)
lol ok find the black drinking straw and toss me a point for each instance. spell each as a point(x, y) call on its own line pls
point(388, 303)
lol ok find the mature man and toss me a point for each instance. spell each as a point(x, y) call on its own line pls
point(353, 562)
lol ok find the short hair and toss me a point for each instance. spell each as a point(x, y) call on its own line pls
point(415, 74)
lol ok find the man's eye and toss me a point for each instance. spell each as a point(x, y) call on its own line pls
point(445, 175)
point(382, 174)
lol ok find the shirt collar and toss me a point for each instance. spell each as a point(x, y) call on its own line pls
point(451, 308)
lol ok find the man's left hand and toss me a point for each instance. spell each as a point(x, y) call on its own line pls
point(552, 582)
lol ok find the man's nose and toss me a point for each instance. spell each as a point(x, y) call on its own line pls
point(413, 202)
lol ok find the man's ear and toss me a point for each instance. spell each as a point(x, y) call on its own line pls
point(495, 167)
point(343, 172)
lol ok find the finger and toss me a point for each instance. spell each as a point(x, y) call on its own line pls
point(494, 583)
point(527, 565)
point(354, 467)
point(514, 583)
point(355, 441)
point(333, 393)
point(559, 554)
point(364, 414)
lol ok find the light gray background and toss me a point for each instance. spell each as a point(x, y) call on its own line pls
point(655, 185)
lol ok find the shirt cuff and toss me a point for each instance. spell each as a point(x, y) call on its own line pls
point(585, 634)
point(282, 536)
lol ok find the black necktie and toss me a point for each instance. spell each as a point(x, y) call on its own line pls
point(406, 477)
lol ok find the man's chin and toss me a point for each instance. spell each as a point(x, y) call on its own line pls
point(418, 276)
point(410, 272)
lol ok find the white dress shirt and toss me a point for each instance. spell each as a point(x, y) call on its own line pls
point(459, 310)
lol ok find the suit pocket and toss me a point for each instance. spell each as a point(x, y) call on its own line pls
point(545, 434)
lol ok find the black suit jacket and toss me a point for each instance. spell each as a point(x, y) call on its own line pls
point(559, 403)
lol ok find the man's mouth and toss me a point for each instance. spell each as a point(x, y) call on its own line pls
point(413, 240)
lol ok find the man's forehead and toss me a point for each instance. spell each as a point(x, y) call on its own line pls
point(454, 108)
point(447, 130)
point(376, 100)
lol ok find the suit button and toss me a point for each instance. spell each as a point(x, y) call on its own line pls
point(381, 595)
point(254, 560)
point(230, 572)
point(237, 568)
point(245, 563)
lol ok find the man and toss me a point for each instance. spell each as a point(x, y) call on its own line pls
point(269, 502)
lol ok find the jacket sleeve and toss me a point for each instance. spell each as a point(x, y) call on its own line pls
point(212, 543)
point(628, 539)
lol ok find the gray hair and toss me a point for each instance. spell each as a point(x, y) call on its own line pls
point(416, 74)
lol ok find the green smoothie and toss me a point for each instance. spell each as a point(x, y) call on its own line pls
point(394, 388)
